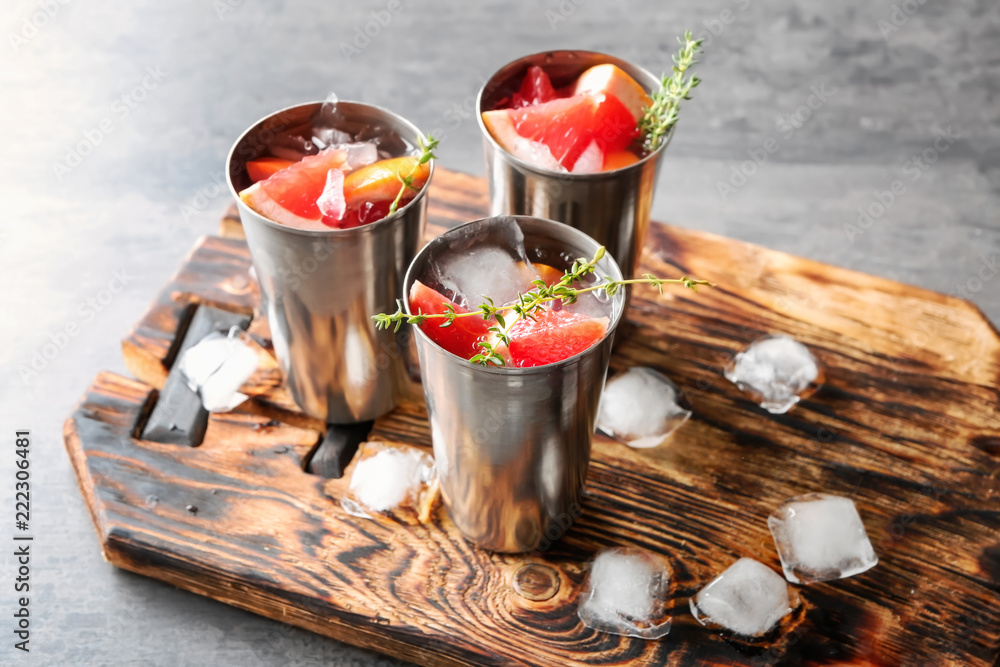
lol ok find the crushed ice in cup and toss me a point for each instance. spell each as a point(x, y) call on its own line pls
point(626, 593)
point(536, 154)
point(490, 262)
point(748, 599)
point(775, 370)
point(216, 367)
point(388, 478)
point(324, 127)
point(485, 272)
point(820, 537)
point(330, 136)
point(640, 408)
point(329, 128)
point(591, 160)
point(292, 146)
point(332, 203)
point(359, 154)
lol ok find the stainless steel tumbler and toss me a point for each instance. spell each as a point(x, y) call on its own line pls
point(321, 288)
point(612, 207)
point(512, 445)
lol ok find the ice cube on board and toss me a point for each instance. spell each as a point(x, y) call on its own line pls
point(748, 599)
point(626, 593)
point(388, 478)
point(639, 407)
point(820, 537)
point(216, 367)
point(775, 370)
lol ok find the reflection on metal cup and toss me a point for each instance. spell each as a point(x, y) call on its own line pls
point(320, 289)
point(512, 445)
point(613, 207)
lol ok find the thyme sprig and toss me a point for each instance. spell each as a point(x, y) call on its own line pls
point(529, 303)
point(426, 155)
point(662, 114)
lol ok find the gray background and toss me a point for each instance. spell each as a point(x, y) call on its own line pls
point(138, 200)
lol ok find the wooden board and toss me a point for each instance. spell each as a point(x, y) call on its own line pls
point(906, 424)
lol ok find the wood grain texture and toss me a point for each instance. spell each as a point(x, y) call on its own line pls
point(906, 424)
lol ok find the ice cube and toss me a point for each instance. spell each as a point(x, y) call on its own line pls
point(330, 136)
point(591, 160)
point(536, 153)
point(216, 367)
point(489, 261)
point(626, 593)
point(592, 304)
point(748, 599)
point(639, 407)
point(820, 537)
point(292, 145)
point(359, 154)
point(390, 478)
point(332, 203)
point(775, 370)
point(327, 125)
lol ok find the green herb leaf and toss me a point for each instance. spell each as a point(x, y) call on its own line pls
point(661, 116)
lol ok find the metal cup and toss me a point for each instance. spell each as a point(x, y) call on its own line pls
point(320, 288)
point(512, 445)
point(613, 207)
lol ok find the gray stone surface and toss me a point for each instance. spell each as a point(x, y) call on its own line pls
point(136, 202)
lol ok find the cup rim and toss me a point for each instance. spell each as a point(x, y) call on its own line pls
point(332, 232)
point(597, 175)
point(615, 318)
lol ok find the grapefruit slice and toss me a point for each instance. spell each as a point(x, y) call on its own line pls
point(612, 80)
point(552, 336)
point(380, 181)
point(368, 212)
point(289, 196)
point(501, 127)
point(461, 337)
point(535, 89)
point(566, 126)
point(266, 167)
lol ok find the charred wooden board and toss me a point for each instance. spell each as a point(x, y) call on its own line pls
point(179, 417)
point(906, 424)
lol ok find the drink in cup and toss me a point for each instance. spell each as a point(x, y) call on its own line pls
point(331, 229)
point(512, 431)
point(567, 137)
